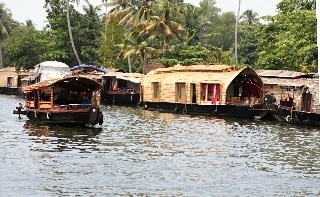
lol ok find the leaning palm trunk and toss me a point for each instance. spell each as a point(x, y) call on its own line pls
point(1, 62)
point(143, 60)
point(130, 64)
point(70, 33)
point(236, 36)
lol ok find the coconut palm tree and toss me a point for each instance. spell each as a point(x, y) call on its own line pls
point(53, 2)
point(166, 23)
point(250, 17)
point(120, 8)
point(236, 35)
point(4, 29)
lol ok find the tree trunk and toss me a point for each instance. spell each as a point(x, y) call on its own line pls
point(318, 43)
point(1, 61)
point(143, 60)
point(129, 63)
point(70, 33)
point(236, 35)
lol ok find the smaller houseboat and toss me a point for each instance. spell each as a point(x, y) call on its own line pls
point(70, 100)
point(122, 88)
point(292, 96)
point(295, 112)
point(218, 90)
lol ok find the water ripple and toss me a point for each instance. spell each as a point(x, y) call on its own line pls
point(146, 153)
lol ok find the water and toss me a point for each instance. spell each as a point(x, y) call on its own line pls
point(145, 153)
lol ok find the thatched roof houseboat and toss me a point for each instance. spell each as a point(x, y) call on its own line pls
point(70, 100)
point(204, 89)
point(10, 80)
point(122, 88)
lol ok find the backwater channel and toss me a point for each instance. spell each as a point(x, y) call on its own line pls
point(138, 152)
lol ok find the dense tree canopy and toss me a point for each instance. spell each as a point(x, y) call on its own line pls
point(134, 33)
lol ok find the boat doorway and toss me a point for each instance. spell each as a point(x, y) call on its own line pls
point(193, 93)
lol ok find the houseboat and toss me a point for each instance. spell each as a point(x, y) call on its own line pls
point(294, 96)
point(10, 80)
point(70, 100)
point(122, 88)
point(218, 90)
point(44, 71)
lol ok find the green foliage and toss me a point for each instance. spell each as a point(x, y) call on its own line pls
point(248, 44)
point(288, 42)
point(221, 35)
point(109, 51)
point(191, 55)
point(24, 47)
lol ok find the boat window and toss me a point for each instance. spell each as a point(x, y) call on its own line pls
point(180, 92)
point(210, 92)
point(9, 82)
point(156, 89)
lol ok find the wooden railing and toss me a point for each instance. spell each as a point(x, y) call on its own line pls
point(72, 106)
point(45, 105)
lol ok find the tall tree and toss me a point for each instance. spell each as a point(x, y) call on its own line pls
point(167, 22)
point(287, 42)
point(69, 25)
point(249, 17)
point(25, 47)
point(236, 34)
point(4, 28)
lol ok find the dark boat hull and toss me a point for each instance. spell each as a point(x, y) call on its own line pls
point(264, 114)
point(237, 111)
point(304, 118)
point(129, 99)
point(66, 118)
point(284, 114)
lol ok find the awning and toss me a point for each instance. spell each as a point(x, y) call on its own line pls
point(132, 79)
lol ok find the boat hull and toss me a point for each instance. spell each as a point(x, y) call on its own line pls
point(84, 118)
point(129, 99)
point(236, 111)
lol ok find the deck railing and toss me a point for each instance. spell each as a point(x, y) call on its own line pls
point(73, 106)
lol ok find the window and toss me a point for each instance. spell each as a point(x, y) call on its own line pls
point(9, 82)
point(180, 92)
point(210, 92)
point(156, 89)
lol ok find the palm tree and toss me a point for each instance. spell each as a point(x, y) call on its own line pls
point(250, 17)
point(236, 35)
point(119, 9)
point(4, 29)
point(166, 24)
point(53, 2)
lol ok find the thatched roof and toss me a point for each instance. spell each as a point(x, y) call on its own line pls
point(133, 77)
point(115, 74)
point(71, 83)
point(199, 68)
point(283, 74)
point(222, 74)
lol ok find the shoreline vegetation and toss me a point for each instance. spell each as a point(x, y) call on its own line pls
point(168, 32)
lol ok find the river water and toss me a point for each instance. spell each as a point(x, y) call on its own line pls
point(146, 153)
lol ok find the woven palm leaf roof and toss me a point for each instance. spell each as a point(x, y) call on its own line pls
point(72, 83)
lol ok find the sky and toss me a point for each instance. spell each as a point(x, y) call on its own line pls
point(23, 10)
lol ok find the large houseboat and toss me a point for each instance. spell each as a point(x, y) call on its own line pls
point(218, 90)
point(69, 100)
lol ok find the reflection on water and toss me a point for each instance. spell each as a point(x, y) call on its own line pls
point(146, 153)
point(48, 138)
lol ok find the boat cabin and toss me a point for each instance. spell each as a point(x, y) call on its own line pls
point(71, 99)
point(122, 88)
point(203, 85)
